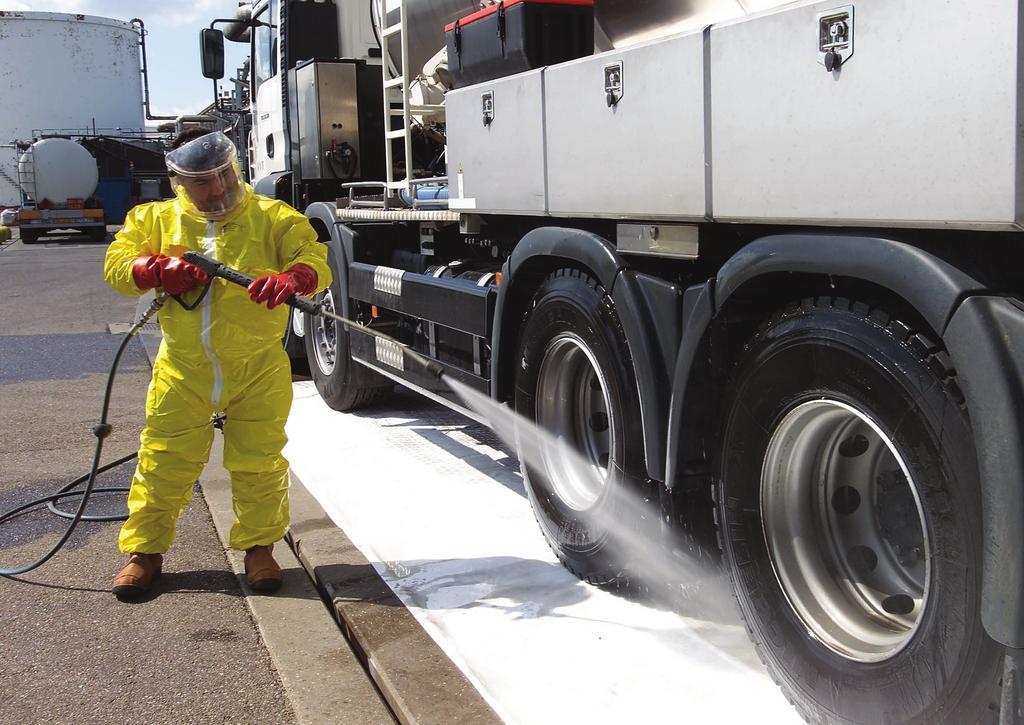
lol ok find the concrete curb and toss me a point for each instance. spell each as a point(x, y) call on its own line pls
point(418, 680)
point(323, 679)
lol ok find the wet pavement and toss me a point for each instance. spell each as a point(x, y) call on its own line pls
point(73, 653)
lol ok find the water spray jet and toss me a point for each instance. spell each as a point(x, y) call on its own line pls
point(692, 586)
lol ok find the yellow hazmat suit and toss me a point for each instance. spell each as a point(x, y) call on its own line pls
point(224, 356)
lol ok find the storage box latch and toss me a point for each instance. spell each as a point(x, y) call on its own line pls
point(487, 107)
point(835, 37)
point(613, 88)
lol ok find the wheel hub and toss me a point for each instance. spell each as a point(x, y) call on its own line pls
point(573, 406)
point(325, 337)
point(845, 530)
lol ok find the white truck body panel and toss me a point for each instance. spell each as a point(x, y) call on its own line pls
point(920, 127)
point(784, 140)
point(592, 145)
point(500, 165)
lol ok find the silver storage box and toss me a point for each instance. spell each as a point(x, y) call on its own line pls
point(328, 117)
point(638, 152)
point(919, 126)
point(496, 145)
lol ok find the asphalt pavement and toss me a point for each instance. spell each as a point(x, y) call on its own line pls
point(192, 652)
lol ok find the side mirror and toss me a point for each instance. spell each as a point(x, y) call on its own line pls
point(211, 46)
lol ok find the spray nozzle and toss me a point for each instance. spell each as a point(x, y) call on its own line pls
point(434, 369)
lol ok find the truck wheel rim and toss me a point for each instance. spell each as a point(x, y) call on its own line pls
point(845, 530)
point(573, 407)
point(325, 337)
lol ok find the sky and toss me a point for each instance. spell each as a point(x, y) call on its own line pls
point(176, 84)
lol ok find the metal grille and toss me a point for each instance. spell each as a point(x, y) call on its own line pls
point(388, 280)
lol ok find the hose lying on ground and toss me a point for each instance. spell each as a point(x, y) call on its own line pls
point(101, 430)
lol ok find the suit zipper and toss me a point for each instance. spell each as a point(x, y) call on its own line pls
point(210, 248)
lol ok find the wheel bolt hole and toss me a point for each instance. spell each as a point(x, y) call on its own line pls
point(853, 446)
point(595, 382)
point(899, 604)
point(846, 500)
point(863, 560)
point(599, 422)
point(602, 460)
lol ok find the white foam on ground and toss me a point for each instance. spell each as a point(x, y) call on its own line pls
point(438, 506)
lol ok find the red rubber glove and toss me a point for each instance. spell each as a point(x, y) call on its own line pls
point(276, 289)
point(174, 274)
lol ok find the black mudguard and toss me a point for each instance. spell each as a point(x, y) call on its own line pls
point(648, 308)
point(984, 336)
point(340, 239)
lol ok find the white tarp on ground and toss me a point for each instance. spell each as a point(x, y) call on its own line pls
point(437, 504)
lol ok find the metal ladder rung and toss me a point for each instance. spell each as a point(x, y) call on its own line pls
point(391, 83)
point(413, 109)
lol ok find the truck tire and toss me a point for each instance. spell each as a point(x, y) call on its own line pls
point(343, 383)
point(30, 236)
point(850, 519)
point(575, 380)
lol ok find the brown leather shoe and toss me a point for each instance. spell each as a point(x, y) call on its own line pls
point(134, 579)
point(262, 571)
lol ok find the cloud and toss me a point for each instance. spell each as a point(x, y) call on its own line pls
point(179, 110)
point(177, 13)
point(50, 6)
point(172, 13)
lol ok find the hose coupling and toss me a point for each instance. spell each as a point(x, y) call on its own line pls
point(102, 430)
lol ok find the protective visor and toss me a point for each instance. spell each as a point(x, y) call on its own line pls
point(206, 176)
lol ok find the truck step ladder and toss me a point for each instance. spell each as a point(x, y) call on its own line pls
point(396, 78)
point(397, 183)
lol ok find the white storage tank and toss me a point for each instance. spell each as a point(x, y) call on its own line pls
point(58, 169)
point(62, 71)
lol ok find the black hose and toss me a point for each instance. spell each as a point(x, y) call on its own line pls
point(101, 430)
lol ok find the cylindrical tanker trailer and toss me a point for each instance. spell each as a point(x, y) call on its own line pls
point(758, 262)
point(58, 178)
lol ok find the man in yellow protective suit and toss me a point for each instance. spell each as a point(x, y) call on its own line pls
point(222, 355)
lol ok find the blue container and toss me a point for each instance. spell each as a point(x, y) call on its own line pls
point(116, 192)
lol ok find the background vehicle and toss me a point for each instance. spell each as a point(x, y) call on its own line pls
point(58, 178)
point(761, 268)
point(86, 182)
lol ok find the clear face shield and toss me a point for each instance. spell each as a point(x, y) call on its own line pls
point(206, 177)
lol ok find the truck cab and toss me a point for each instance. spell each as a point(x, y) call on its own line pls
point(285, 37)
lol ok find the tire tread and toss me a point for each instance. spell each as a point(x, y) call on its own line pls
point(930, 354)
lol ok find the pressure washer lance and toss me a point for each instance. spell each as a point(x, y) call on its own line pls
point(101, 430)
point(217, 269)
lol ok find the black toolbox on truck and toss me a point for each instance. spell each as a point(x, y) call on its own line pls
point(516, 36)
